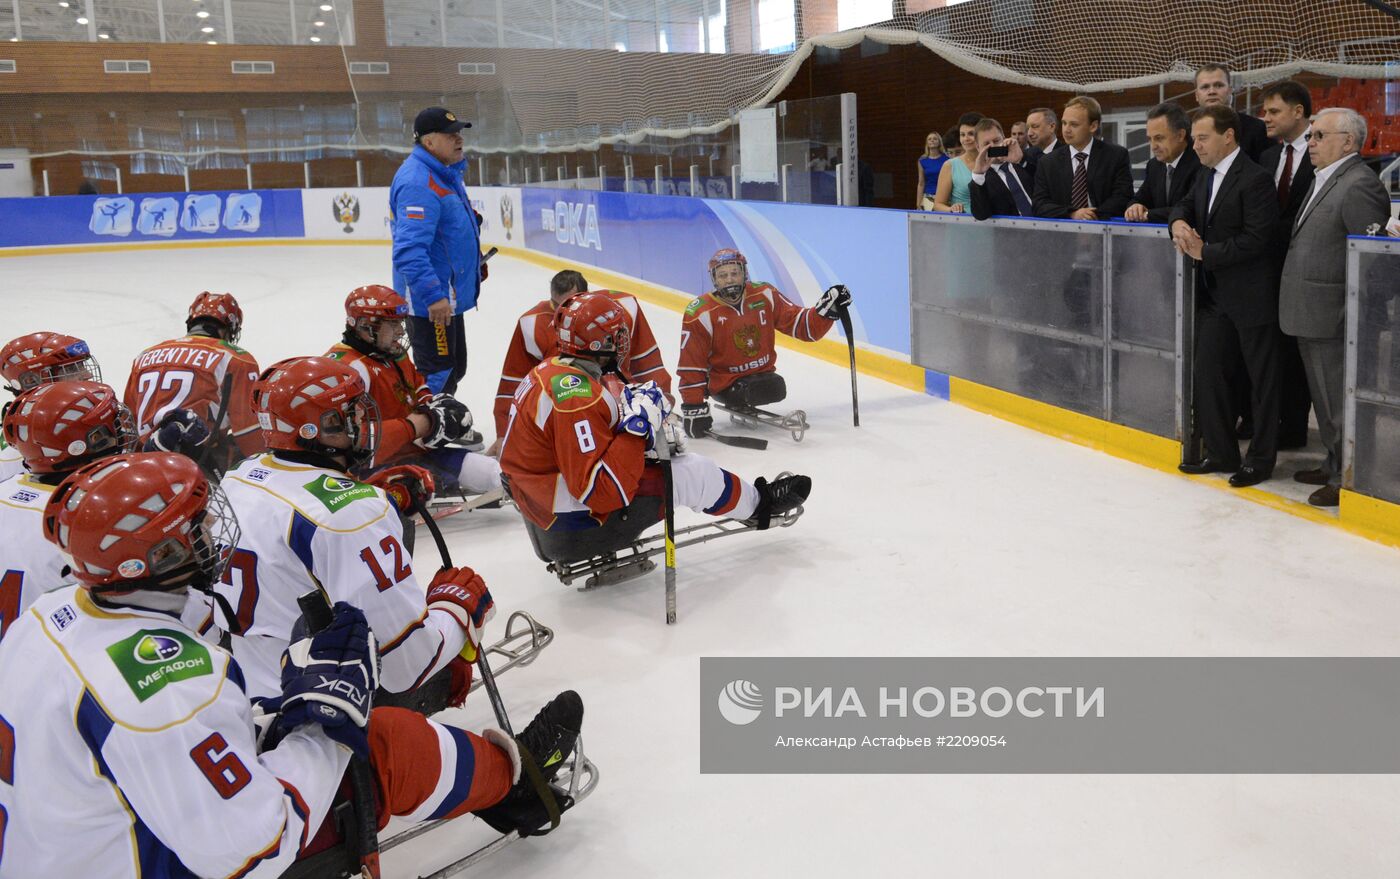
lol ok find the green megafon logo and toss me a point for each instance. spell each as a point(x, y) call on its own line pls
point(155, 649)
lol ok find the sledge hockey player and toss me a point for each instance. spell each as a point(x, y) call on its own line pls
point(37, 359)
point(534, 340)
point(727, 341)
point(576, 449)
point(416, 425)
point(56, 428)
point(188, 374)
point(129, 745)
point(307, 523)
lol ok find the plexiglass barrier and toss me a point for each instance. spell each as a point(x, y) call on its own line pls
point(1085, 316)
point(1372, 432)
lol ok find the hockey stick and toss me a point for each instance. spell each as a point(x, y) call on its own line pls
point(316, 607)
point(664, 450)
point(845, 317)
point(488, 679)
point(743, 442)
point(225, 397)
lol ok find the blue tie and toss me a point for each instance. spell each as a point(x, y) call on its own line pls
point(1023, 204)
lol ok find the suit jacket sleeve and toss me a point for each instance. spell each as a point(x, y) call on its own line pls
point(1122, 190)
point(981, 200)
point(1365, 204)
point(1043, 202)
point(1259, 204)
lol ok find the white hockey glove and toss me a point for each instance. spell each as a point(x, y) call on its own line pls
point(330, 678)
point(449, 420)
point(833, 301)
point(673, 429)
point(642, 410)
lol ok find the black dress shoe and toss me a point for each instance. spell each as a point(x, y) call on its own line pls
point(1327, 496)
point(1206, 465)
point(1316, 476)
point(1247, 476)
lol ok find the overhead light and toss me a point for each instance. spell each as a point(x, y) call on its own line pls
point(104, 36)
point(326, 7)
point(213, 42)
point(82, 21)
point(207, 30)
point(315, 39)
point(319, 23)
point(201, 14)
point(63, 3)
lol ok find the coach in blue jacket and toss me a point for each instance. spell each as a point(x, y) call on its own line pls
point(437, 247)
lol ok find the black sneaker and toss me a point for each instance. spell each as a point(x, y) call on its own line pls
point(548, 741)
point(781, 496)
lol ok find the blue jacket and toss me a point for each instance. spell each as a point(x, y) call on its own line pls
point(437, 245)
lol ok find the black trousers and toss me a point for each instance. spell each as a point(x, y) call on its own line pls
point(1220, 348)
point(440, 353)
point(754, 390)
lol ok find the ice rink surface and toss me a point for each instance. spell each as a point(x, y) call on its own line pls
point(932, 530)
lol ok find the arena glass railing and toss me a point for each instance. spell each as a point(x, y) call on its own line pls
point(1371, 450)
point(1090, 317)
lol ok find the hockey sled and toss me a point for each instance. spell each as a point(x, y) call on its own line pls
point(450, 504)
point(575, 781)
point(795, 422)
point(616, 551)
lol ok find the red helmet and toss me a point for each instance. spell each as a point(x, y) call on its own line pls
point(221, 308)
point(724, 257)
point(41, 358)
point(303, 401)
point(60, 427)
point(375, 314)
point(141, 521)
point(593, 324)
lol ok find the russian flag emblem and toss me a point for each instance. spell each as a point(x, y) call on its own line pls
point(413, 213)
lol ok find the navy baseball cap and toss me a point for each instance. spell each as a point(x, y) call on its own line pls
point(435, 119)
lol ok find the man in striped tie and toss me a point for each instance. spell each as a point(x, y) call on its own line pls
point(1090, 180)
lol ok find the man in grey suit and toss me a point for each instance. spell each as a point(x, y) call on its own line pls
point(1344, 199)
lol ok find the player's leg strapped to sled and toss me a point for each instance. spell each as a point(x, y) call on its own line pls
point(743, 399)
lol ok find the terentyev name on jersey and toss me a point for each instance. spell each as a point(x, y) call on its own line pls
point(204, 358)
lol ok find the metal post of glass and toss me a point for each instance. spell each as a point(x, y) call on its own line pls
point(1353, 328)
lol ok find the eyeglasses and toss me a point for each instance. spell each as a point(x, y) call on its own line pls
point(1319, 135)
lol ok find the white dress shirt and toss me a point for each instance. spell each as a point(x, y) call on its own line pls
point(1320, 176)
point(1220, 171)
point(1300, 149)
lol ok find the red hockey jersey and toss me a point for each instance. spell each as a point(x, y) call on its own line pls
point(721, 343)
point(188, 373)
point(562, 453)
point(535, 340)
point(397, 388)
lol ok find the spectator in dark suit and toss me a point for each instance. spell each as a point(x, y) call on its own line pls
point(1213, 89)
point(1345, 198)
point(1226, 226)
point(1090, 179)
point(999, 186)
point(1043, 135)
point(1171, 171)
point(1287, 108)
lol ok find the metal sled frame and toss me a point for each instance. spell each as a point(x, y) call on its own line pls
point(795, 422)
point(519, 646)
point(576, 780)
point(635, 560)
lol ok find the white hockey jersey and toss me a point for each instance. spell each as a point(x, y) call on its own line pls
point(302, 526)
point(127, 750)
point(29, 564)
point(11, 463)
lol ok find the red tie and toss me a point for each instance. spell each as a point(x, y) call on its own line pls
point(1285, 180)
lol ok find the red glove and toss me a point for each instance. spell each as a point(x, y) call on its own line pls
point(462, 593)
point(460, 677)
point(402, 483)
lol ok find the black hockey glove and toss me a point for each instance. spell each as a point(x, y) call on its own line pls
point(330, 677)
point(833, 301)
point(179, 431)
point(697, 419)
point(449, 420)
